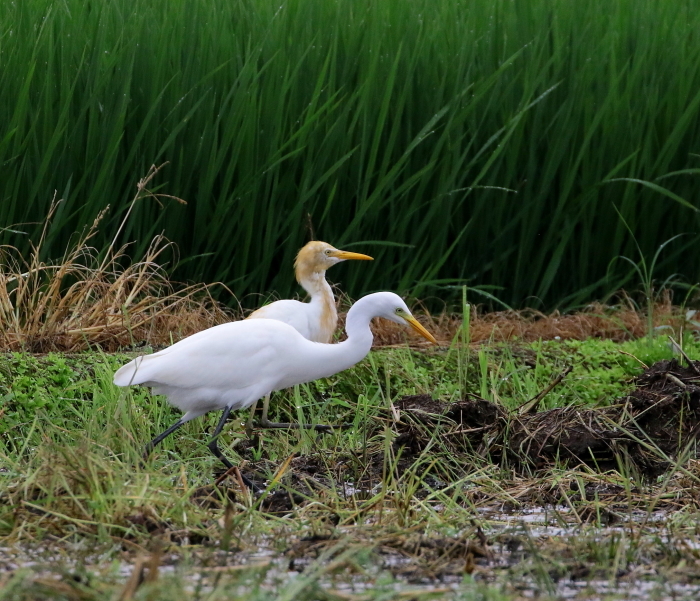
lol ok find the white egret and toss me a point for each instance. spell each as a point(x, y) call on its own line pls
point(232, 365)
point(315, 320)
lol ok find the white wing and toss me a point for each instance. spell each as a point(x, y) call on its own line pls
point(232, 355)
point(294, 313)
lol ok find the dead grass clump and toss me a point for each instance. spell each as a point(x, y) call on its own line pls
point(614, 322)
point(88, 299)
point(621, 322)
point(648, 430)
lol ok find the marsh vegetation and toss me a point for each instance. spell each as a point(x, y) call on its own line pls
point(535, 155)
point(507, 144)
point(416, 500)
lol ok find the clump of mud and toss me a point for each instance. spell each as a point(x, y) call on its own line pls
point(643, 434)
point(645, 430)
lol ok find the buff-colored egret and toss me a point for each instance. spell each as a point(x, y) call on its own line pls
point(315, 320)
point(232, 365)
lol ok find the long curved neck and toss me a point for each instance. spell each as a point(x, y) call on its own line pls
point(322, 299)
point(357, 327)
point(329, 359)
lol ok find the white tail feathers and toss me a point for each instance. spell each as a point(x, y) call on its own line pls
point(131, 374)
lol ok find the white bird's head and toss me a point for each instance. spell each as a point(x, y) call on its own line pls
point(391, 306)
point(317, 257)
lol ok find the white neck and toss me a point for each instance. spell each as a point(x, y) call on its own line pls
point(323, 360)
point(357, 326)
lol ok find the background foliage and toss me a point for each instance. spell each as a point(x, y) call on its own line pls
point(489, 142)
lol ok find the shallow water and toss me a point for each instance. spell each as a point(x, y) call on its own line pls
point(516, 538)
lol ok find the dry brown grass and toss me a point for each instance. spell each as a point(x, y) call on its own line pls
point(89, 299)
point(619, 322)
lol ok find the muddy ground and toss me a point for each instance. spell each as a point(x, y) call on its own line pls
point(572, 503)
point(644, 433)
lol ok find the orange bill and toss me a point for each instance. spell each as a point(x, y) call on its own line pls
point(348, 256)
point(413, 322)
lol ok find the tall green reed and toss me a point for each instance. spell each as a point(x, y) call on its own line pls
point(455, 141)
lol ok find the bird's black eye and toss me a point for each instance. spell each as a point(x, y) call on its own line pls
point(398, 311)
point(328, 252)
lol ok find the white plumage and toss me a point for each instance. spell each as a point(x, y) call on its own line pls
point(315, 320)
point(232, 365)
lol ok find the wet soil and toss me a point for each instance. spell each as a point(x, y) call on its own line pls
point(537, 532)
point(644, 433)
point(645, 430)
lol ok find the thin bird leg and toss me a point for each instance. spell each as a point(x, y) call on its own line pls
point(251, 423)
point(267, 424)
point(149, 447)
point(214, 448)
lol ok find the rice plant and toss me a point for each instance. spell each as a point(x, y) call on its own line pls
point(457, 142)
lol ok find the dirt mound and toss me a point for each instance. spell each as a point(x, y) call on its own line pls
point(646, 430)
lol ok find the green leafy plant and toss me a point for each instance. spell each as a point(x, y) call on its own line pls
point(454, 142)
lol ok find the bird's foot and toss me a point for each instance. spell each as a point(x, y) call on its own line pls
point(249, 426)
point(239, 477)
point(254, 488)
point(268, 425)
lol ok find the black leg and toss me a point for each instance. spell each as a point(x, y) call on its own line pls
point(213, 444)
point(214, 448)
point(149, 447)
point(268, 425)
